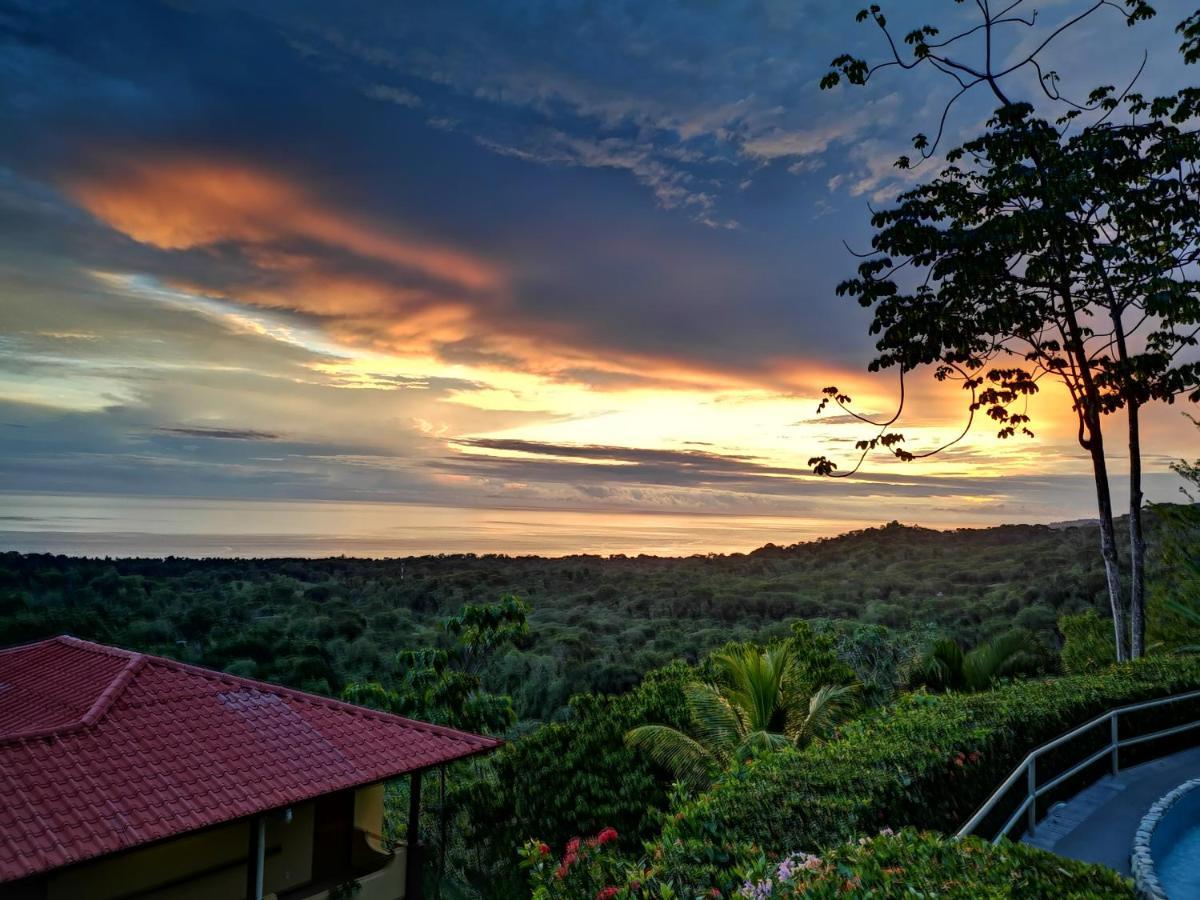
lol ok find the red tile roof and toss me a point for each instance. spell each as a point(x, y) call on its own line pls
point(102, 749)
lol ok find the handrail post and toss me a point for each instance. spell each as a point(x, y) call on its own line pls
point(1116, 743)
point(1032, 787)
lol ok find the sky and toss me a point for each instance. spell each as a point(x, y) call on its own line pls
point(559, 255)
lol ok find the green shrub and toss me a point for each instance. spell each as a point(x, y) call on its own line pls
point(926, 761)
point(1173, 583)
point(905, 865)
point(572, 778)
point(912, 864)
point(1089, 643)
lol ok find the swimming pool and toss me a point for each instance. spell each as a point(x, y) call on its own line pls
point(1166, 848)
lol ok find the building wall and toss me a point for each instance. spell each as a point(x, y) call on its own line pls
point(200, 866)
point(368, 815)
point(385, 884)
point(212, 863)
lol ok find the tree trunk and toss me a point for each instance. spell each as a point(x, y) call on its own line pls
point(1137, 540)
point(1137, 543)
point(1090, 414)
point(1108, 542)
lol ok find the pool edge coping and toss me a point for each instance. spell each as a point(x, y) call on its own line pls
point(1145, 877)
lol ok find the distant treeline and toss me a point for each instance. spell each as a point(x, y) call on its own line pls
point(597, 625)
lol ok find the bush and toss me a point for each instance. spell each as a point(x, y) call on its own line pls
point(1173, 579)
point(904, 865)
point(1089, 643)
point(587, 868)
point(913, 864)
point(573, 778)
point(927, 761)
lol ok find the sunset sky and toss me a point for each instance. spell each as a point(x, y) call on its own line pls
point(565, 255)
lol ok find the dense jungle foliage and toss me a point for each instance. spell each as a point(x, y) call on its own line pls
point(566, 656)
point(597, 624)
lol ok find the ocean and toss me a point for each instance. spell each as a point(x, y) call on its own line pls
point(101, 525)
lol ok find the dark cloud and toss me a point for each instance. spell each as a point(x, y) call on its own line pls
point(588, 464)
point(228, 434)
point(840, 419)
point(614, 454)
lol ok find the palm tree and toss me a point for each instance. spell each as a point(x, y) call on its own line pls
point(1191, 614)
point(755, 704)
point(946, 667)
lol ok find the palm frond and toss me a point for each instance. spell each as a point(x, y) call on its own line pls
point(757, 742)
point(679, 754)
point(753, 681)
point(941, 667)
point(1004, 655)
point(716, 724)
point(1188, 612)
point(826, 707)
point(755, 705)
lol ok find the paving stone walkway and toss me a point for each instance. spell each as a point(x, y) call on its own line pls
point(1098, 823)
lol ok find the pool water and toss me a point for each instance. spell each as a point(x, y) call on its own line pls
point(1179, 866)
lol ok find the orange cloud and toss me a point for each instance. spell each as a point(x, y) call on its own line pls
point(374, 286)
point(179, 204)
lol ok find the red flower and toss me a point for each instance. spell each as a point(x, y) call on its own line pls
point(606, 893)
point(544, 849)
point(573, 845)
point(606, 836)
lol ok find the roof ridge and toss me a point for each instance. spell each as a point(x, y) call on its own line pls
point(83, 644)
point(69, 640)
point(103, 701)
point(115, 687)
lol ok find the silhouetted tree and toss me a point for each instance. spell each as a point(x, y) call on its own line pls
point(1039, 253)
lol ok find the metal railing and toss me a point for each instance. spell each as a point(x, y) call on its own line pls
point(1028, 767)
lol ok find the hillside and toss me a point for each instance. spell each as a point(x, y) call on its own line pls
point(598, 624)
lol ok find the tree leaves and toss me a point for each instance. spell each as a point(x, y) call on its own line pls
point(1060, 252)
